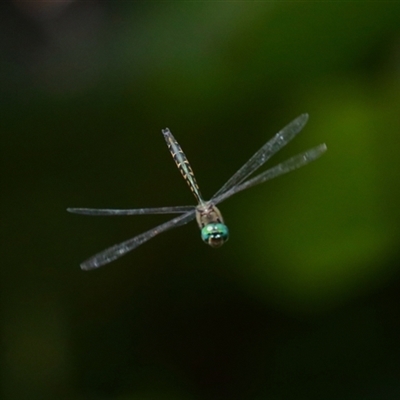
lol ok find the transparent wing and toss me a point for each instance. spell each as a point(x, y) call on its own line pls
point(138, 211)
point(265, 153)
point(118, 250)
point(280, 169)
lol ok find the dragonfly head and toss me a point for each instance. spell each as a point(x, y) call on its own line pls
point(215, 234)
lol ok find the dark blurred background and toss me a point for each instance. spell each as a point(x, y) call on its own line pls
point(303, 302)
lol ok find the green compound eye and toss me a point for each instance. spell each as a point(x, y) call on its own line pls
point(215, 234)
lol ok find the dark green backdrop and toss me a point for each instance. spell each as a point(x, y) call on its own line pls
point(302, 302)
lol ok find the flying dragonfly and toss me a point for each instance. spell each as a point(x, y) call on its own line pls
point(214, 232)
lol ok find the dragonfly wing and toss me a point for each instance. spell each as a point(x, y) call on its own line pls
point(265, 153)
point(280, 169)
point(118, 250)
point(138, 211)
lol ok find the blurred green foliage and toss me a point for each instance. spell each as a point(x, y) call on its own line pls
point(302, 302)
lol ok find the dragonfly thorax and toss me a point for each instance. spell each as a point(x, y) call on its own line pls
point(213, 230)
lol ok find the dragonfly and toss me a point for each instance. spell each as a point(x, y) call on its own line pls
point(214, 232)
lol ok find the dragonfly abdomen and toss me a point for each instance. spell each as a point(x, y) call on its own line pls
point(182, 163)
